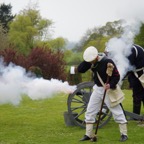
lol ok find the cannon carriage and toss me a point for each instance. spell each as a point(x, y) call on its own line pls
point(77, 103)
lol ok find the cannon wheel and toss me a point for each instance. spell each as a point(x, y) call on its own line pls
point(77, 104)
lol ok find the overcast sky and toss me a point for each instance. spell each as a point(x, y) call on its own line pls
point(72, 18)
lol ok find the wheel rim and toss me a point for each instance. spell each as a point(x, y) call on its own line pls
point(77, 104)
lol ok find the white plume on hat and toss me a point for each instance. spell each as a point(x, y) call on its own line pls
point(90, 54)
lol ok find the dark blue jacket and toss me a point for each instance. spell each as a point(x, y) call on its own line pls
point(136, 58)
point(101, 67)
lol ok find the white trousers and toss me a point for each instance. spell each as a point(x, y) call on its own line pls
point(94, 106)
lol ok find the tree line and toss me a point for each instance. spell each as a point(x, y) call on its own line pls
point(26, 39)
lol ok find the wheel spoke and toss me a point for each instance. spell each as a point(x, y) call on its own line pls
point(82, 112)
point(77, 100)
point(78, 107)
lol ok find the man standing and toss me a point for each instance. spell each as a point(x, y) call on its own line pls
point(136, 59)
point(136, 63)
point(98, 64)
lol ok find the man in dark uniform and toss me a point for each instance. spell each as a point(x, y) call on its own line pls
point(136, 59)
point(99, 64)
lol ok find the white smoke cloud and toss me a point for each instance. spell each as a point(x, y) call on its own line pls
point(132, 12)
point(120, 48)
point(15, 82)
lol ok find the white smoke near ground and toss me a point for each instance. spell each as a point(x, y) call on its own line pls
point(16, 82)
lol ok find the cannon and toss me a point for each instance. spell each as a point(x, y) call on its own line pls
point(77, 103)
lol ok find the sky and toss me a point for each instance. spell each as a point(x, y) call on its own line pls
point(72, 18)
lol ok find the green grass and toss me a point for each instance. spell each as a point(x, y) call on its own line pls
point(42, 122)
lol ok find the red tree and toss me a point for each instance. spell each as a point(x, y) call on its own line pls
point(51, 63)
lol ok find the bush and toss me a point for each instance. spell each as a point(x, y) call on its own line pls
point(10, 55)
point(42, 62)
point(51, 63)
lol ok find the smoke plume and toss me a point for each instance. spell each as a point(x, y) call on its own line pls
point(120, 47)
point(16, 82)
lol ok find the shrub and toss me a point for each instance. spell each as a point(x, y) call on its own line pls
point(43, 62)
point(51, 63)
point(10, 55)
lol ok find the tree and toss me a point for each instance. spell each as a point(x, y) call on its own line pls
point(139, 39)
point(98, 36)
point(11, 55)
point(51, 63)
point(5, 15)
point(57, 44)
point(27, 28)
point(40, 61)
point(3, 38)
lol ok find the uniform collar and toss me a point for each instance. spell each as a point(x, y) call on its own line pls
point(101, 56)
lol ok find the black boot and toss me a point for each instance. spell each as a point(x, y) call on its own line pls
point(123, 138)
point(85, 138)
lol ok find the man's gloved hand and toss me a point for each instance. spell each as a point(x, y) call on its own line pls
point(73, 70)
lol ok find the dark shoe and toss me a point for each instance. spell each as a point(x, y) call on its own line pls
point(85, 138)
point(123, 138)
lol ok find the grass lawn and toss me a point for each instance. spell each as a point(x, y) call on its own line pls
point(42, 122)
